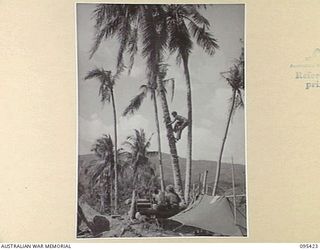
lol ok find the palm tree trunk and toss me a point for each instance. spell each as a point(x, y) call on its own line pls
point(132, 210)
point(216, 181)
point(172, 145)
point(159, 140)
point(102, 204)
point(189, 137)
point(115, 154)
point(110, 193)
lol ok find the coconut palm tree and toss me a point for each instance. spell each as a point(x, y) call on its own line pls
point(184, 22)
point(106, 91)
point(143, 174)
point(138, 145)
point(134, 105)
point(103, 167)
point(235, 79)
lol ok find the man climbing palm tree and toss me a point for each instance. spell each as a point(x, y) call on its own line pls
point(181, 123)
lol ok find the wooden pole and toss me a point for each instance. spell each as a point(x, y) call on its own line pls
point(204, 184)
point(111, 196)
point(193, 191)
point(234, 195)
point(200, 184)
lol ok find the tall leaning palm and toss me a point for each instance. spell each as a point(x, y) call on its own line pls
point(235, 79)
point(162, 92)
point(154, 41)
point(106, 91)
point(184, 22)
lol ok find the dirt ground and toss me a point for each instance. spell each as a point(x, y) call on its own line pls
point(124, 227)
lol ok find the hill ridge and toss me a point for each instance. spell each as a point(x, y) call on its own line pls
point(199, 167)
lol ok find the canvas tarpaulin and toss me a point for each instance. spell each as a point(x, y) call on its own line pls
point(214, 214)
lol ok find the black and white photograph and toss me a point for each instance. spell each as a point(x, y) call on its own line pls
point(161, 120)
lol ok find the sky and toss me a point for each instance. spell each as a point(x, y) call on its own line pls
point(210, 92)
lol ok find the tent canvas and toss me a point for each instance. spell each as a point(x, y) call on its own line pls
point(214, 214)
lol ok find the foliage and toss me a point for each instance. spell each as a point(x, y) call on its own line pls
point(133, 165)
point(101, 170)
point(138, 145)
point(235, 79)
point(159, 28)
point(184, 22)
point(107, 82)
point(145, 89)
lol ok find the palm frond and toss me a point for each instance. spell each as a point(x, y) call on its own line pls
point(97, 41)
point(204, 38)
point(172, 83)
point(107, 24)
point(135, 103)
point(106, 82)
point(103, 148)
point(123, 38)
point(196, 16)
point(235, 78)
point(128, 143)
point(163, 69)
point(138, 145)
point(132, 47)
point(98, 171)
point(108, 31)
point(105, 94)
point(150, 41)
point(153, 39)
point(239, 100)
point(144, 87)
point(162, 27)
point(148, 143)
point(105, 12)
point(99, 15)
point(178, 59)
point(178, 35)
point(95, 73)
